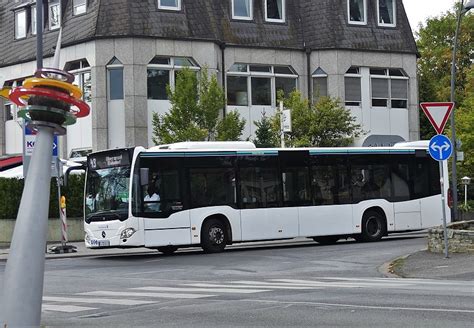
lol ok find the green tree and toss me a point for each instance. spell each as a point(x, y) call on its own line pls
point(324, 124)
point(182, 122)
point(464, 117)
point(435, 41)
point(230, 127)
point(196, 104)
point(265, 135)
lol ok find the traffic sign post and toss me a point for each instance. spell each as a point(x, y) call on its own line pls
point(440, 148)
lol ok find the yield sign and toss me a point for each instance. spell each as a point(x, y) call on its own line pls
point(438, 113)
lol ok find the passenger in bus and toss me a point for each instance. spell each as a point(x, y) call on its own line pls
point(152, 199)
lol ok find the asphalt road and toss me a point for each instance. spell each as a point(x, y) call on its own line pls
point(291, 284)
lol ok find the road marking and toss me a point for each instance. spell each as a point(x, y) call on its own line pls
point(306, 285)
point(96, 301)
point(204, 289)
point(261, 285)
point(65, 308)
point(373, 307)
point(138, 294)
point(385, 284)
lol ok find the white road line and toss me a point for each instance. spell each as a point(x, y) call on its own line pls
point(65, 308)
point(374, 307)
point(407, 280)
point(96, 301)
point(292, 285)
point(355, 284)
point(134, 294)
point(204, 289)
point(267, 286)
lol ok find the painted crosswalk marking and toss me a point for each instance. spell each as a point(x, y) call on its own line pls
point(257, 285)
point(111, 301)
point(144, 294)
point(65, 308)
point(198, 290)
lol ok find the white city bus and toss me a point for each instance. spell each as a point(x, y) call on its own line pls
point(218, 193)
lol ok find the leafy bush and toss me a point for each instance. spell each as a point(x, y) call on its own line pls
point(12, 189)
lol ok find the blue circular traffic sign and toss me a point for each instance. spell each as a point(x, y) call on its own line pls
point(440, 147)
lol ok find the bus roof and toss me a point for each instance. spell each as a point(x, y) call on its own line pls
point(214, 148)
point(204, 145)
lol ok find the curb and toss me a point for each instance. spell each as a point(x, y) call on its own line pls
point(386, 269)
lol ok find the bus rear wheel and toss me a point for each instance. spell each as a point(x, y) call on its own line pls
point(167, 250)
point(213, 236)
point(326, 240)
point(373, 226)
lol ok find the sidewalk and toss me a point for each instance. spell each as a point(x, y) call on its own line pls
point(427, 265)
point(82, 251)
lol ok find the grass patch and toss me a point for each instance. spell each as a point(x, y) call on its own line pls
point(396, 267)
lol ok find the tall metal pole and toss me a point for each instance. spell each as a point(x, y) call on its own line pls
point(39, 34)
point(20, 303)
point(24, 273)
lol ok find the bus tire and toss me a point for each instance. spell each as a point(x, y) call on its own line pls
point(374, 226)
point(213, 236)
point(326, 240)
point(167, 250)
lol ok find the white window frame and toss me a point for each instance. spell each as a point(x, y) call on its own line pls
point(50, 6)
point(356, 75)
point(175, 8)
point(364, 22)
point(315, 76)
point(272, 75)
point(172, 68)
point(388, 77)
point(79, 76)
point(283, 13)
point(110, 68)
point(23, 35)
point(76, 4)
point(394, 24)
point(250, 17)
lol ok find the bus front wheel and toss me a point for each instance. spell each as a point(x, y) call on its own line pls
point(213, 236)
point(373, 226)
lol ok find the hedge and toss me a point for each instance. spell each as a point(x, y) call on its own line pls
point(12, 189)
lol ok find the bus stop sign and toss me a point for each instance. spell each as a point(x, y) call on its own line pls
point(440, 147)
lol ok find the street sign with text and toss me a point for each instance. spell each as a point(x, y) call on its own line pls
point(437, 113)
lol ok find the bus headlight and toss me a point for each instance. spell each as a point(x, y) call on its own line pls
point(87, 238)
point(127, 233)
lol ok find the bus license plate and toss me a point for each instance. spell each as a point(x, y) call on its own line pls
point(100, 243)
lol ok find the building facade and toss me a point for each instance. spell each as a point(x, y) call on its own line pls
point(124, 53)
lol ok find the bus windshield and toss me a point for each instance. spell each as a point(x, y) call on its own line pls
point(107, 193)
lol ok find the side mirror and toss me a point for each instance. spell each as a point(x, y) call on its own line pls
point(69, 170)
point(144, 174)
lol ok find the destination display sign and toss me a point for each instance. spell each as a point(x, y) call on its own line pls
point(110, 158)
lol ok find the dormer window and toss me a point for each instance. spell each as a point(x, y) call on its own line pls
point(54, 14)
point(20, 24)
point(79, 7)
point(386, 13)
point(275, 11)
point(169, 4)
point(242, 9)
point(356, 11)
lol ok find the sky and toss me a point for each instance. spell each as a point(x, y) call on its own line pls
point(419, 10)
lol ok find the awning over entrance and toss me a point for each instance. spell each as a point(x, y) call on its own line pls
point(10, 162)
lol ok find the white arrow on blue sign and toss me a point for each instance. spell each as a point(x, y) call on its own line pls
point(440, 147)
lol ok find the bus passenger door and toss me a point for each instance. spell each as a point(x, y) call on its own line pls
point(262, 216)
point(406, 209)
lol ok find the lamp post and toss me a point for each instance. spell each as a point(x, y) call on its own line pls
point(465, 181)
point(463, 8)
